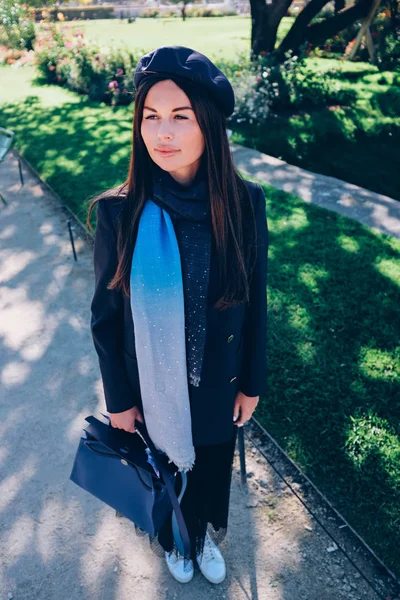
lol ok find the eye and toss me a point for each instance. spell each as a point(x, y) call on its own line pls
point(176, 116)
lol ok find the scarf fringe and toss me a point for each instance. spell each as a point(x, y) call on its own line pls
point(183, 466)
point(194, 379)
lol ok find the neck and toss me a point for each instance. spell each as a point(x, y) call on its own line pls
point(184, 176)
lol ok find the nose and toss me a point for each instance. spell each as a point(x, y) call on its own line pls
point(164, 131)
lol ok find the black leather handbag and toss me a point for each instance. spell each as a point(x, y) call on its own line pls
point(128, 473)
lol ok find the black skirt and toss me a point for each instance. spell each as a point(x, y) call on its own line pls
point(205, 502)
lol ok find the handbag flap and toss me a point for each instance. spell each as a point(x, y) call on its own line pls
point(127, 445)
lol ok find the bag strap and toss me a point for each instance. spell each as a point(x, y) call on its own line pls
point(141, 428)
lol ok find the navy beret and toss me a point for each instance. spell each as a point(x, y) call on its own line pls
point(191, 65)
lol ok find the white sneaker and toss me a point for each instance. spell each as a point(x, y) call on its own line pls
point(176, 566)
point(211, 563)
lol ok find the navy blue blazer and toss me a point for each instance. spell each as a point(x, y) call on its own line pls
point(236, 338)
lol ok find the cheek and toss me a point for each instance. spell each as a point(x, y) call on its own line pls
point(193, 137)
point(144, 132)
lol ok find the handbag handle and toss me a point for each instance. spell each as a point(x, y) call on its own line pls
point(91, 444)
point(141, 429)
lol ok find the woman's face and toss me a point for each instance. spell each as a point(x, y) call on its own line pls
point(169, 122)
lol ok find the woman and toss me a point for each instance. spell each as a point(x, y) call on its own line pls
point(179, 307)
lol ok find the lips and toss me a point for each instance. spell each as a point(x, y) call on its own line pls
point(165, 153)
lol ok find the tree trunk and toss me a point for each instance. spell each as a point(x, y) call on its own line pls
point(317, 33)
point(265, 20)
point(298, 32)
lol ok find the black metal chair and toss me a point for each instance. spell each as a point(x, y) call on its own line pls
point(6, 142)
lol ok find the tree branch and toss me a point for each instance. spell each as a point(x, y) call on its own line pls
point(316, 33)
point(319, 32)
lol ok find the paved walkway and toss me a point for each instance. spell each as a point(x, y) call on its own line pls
point(375, 210)
point(57, 541)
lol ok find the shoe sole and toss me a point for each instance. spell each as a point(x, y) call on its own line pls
point(182, 580)
point(214, 580)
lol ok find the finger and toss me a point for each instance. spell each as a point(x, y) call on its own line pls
point(236, 411)
point(243, 419)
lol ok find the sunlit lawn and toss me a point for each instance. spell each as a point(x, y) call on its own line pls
point(216, 37)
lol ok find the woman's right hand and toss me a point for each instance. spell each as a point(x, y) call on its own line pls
point(126, 420)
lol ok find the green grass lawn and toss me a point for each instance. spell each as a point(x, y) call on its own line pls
point(358, 143)
point(334, 362)
point(219, 37)
point(333, 290)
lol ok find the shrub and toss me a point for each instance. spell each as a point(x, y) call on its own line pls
point(388, 102)
point(170, 14)
point(12, 56)
point(17, 29)
point(72, 13)
point(251, 104)
point(310, 90)
point(104, 74)
point(209, 12)
point(150, 13)
point(293, 84)
point(389, 53)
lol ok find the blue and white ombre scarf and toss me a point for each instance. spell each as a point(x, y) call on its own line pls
point(168, 287)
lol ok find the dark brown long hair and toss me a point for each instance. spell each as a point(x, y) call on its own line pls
point(233, 223)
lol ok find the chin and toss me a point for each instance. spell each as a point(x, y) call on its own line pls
point(164, 164)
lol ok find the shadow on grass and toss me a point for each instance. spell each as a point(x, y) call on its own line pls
point(334, 362)
point(340, 143)
point(79, 148)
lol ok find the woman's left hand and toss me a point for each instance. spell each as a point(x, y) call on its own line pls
point(246, 406)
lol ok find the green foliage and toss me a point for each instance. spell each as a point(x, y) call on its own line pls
point(192, 12)
point(343, 41)
point(389, 53)
point(270, 85)
point(251, 105)
point(388, 102)
point(17, 29)
point(293, 84)
point(104, 74)
point(209, 12)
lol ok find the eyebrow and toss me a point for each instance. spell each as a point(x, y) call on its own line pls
point(173, 110)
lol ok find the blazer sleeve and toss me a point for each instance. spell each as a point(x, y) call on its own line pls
point(107, 316)
point(253, 374)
